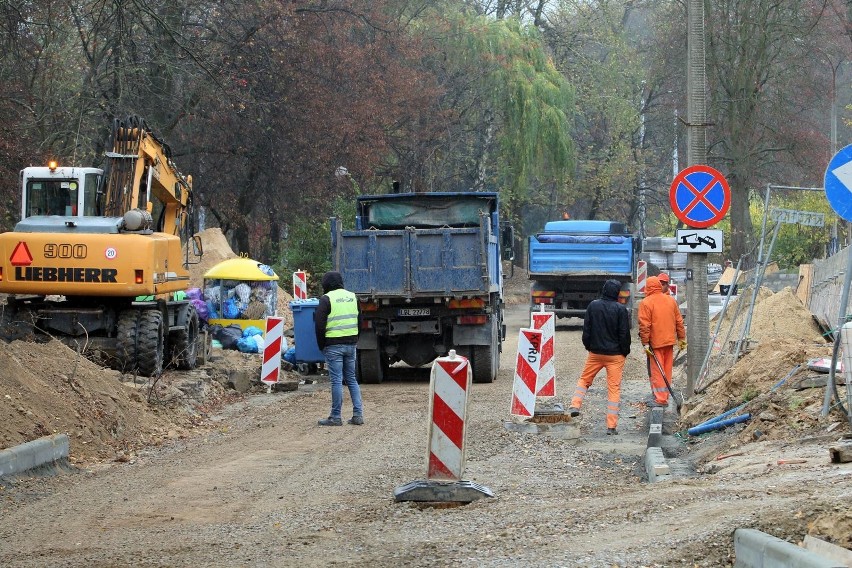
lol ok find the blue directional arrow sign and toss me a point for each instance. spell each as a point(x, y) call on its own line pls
point(838, 183)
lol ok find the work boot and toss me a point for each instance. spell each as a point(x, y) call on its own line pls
point(574, 411)
point(330, 421)
point(657, 404)
point(611, 432)
point(356, 420)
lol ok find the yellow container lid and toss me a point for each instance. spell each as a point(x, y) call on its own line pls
point(241, 268)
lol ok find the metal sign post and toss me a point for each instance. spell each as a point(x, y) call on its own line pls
point(838, 191)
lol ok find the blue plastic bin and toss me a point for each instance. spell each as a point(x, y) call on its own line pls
point(304, 334)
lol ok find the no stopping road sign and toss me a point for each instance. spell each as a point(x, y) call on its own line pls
point(700, 196)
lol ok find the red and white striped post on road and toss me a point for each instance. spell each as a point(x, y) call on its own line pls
point(300, 285)
point(448, 401)
point(641, 276)
point(450, 385)
point(270, 370)
point(526, 373)
point(546, 322)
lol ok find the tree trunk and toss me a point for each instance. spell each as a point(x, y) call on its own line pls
point(741, 226)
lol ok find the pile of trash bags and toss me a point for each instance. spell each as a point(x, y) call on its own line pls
point(235, 299)
point(248, 340)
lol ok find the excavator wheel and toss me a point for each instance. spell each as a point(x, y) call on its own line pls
point(184, 343)
point(140, 342)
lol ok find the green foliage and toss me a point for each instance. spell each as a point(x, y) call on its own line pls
point(600, 58)
point(749, 393)
point(514, 107)
point(308, 246)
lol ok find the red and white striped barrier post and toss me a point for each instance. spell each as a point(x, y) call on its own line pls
point(450, 385)
point(300, 285)
point(270, 370)
point(526, 373)
point(546, 322)
point(641, 276)
point(448, 401)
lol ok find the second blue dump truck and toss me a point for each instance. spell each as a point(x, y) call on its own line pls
point(570, 260)
point(427, 271)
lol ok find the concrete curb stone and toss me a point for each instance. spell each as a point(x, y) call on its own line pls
point(34, 454)
point(756, 549)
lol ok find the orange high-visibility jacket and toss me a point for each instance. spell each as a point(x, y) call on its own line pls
point(660, 322)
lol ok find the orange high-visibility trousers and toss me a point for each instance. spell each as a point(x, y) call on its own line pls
point(665, 355)
point(614, 365)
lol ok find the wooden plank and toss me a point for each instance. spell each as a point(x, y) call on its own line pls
point(828, 550)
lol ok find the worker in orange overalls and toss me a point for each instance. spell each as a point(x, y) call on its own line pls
point(606, 336)
point(660, 327)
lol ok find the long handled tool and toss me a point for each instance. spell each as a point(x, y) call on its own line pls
point(678, 402)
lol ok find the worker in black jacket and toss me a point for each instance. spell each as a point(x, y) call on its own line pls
point(606, 336)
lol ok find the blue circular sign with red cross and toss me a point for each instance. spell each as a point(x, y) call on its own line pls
point(700, 196)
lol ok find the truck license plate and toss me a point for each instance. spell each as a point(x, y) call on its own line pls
point(414, 312)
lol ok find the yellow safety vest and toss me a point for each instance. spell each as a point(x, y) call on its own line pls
point(343, 317)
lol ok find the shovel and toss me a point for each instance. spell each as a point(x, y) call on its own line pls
point(678, 402)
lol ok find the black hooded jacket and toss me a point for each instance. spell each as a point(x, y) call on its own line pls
point(330, 281)
point(606, 328)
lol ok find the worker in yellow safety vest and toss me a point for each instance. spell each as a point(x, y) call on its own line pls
point(336, 325)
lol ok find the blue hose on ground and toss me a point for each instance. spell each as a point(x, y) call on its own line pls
point(722, 416)
point(718, 425)
point(740, 407)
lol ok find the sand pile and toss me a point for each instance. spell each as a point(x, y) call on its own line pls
point(776, 316)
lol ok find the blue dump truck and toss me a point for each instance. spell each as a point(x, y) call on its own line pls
point(426, 268)
point(570, 261)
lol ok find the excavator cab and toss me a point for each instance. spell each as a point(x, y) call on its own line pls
point(63, 191)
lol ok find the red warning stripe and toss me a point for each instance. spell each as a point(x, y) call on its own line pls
point(527, 374)
point(448, 421)
point(547, 350)
point(21, 255)
point(272, 376)
point(437, 469)
point(518, 409)
point(456, 372)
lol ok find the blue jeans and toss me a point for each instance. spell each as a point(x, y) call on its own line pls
point(340, 360)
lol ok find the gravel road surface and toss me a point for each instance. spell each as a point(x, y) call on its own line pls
point(268, 487)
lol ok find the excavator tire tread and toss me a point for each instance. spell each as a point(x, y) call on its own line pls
point(151, 340)
point(184, 343)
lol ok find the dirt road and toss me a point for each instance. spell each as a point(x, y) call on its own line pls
point(268, 487)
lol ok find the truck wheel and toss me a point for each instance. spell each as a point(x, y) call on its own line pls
point(183, 352)
point(369, 366)
point(139, 342)
point(483, 364)
point(486, 358)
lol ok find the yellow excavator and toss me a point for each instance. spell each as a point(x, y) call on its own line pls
point(97, 259)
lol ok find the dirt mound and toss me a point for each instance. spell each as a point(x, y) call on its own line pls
point(766, 380)
point(47, 388)
point(216, 249)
